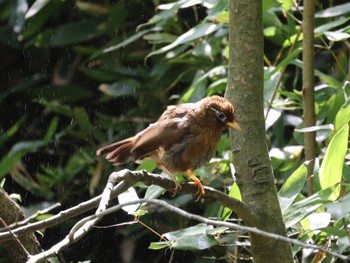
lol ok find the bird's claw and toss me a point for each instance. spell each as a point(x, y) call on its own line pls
point(200, 193)
point(177, 188)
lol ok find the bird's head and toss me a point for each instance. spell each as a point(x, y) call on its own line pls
point(223, 111)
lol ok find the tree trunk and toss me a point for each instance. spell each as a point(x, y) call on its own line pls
point(308, 90)
point(250, 153)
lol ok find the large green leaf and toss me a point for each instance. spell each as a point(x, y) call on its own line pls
point(330, 173)
point(191, 238)
point(196, 32)
point(292, 187)
point(306, 206)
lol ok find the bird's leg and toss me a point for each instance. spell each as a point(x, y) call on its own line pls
point(173, 177)
point(198, 183)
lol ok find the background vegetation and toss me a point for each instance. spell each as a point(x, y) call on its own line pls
point(78, 74)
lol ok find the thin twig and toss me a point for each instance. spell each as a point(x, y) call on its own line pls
point(78, 230)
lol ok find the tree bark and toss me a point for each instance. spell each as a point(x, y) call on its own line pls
point(308, 90)
point(18, 248)
point(250, 154)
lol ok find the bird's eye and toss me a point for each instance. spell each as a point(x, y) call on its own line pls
point(220, 115)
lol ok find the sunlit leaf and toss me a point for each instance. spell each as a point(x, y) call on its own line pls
point(334, 11)
point(299, 210)
point(336, 36)
point(190, 231)
point(330, 173)
point(195, 242)
point(9, 161)
point(159, 245)
point(292, 187)
point(18, 8)
point(194, 33)
point(340, 208)
point(127, 196)
point(235, 193)
point(36, 7)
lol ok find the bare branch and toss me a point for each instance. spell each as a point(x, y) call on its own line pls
point(79, 229)
point(127, 179)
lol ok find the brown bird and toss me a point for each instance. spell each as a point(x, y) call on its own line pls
point(184, 137)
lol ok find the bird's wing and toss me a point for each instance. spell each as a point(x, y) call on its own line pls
point(171, 127)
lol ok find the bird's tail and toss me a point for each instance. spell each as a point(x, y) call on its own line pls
point(118, 152)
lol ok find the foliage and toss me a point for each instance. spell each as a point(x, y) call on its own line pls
point(79, 74)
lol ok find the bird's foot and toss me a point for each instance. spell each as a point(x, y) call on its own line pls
point(200, 193)
point(176, 189)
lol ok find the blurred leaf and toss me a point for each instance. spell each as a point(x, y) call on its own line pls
point(37, 18)
point(36, 7)
point(18, 8)
point(326, 27)
point(340, 208)
point(195, 242)
point(122, 44)
point(82, 118)
point(52, 129)
point(301, 209)
point(292, 187)
point(336, 36)
point(199, 80)
point(9, 161)
point(291, 56)
point(128, 87)
point(234, 193)
point(330, 173)
point(196, 32)
point(93, 8)
point(69, 34)
point(190, 231)
point(334, 11)
point(56, 107)
point(26, 146)
point(159, 38)
point(159, 245)
point(12, 130)
point(343, 116)
point(127, 196)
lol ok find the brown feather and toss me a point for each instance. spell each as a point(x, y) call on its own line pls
point(184, 137)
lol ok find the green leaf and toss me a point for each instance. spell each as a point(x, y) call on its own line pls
point(195, 242)
point(128, 87)
point(52, 129)
point(36, 7)
point(59, 108)
point(343, 116)
point(159, 245)
point(26, 146)
point(82, 118)
point(127, 41)
point(9, 161)
point(69, 34)
point(326, 27)
point(291, 56)
point(196, 32)
point(190, 231)
point(334, 11)
point(330, 173)
point(303, 208)
point(18, 8)
point(336, 36)
point(340, 208)
point(292, 187)
point(235, 193)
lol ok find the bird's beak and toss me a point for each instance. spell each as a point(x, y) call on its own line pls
point(234, 125)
